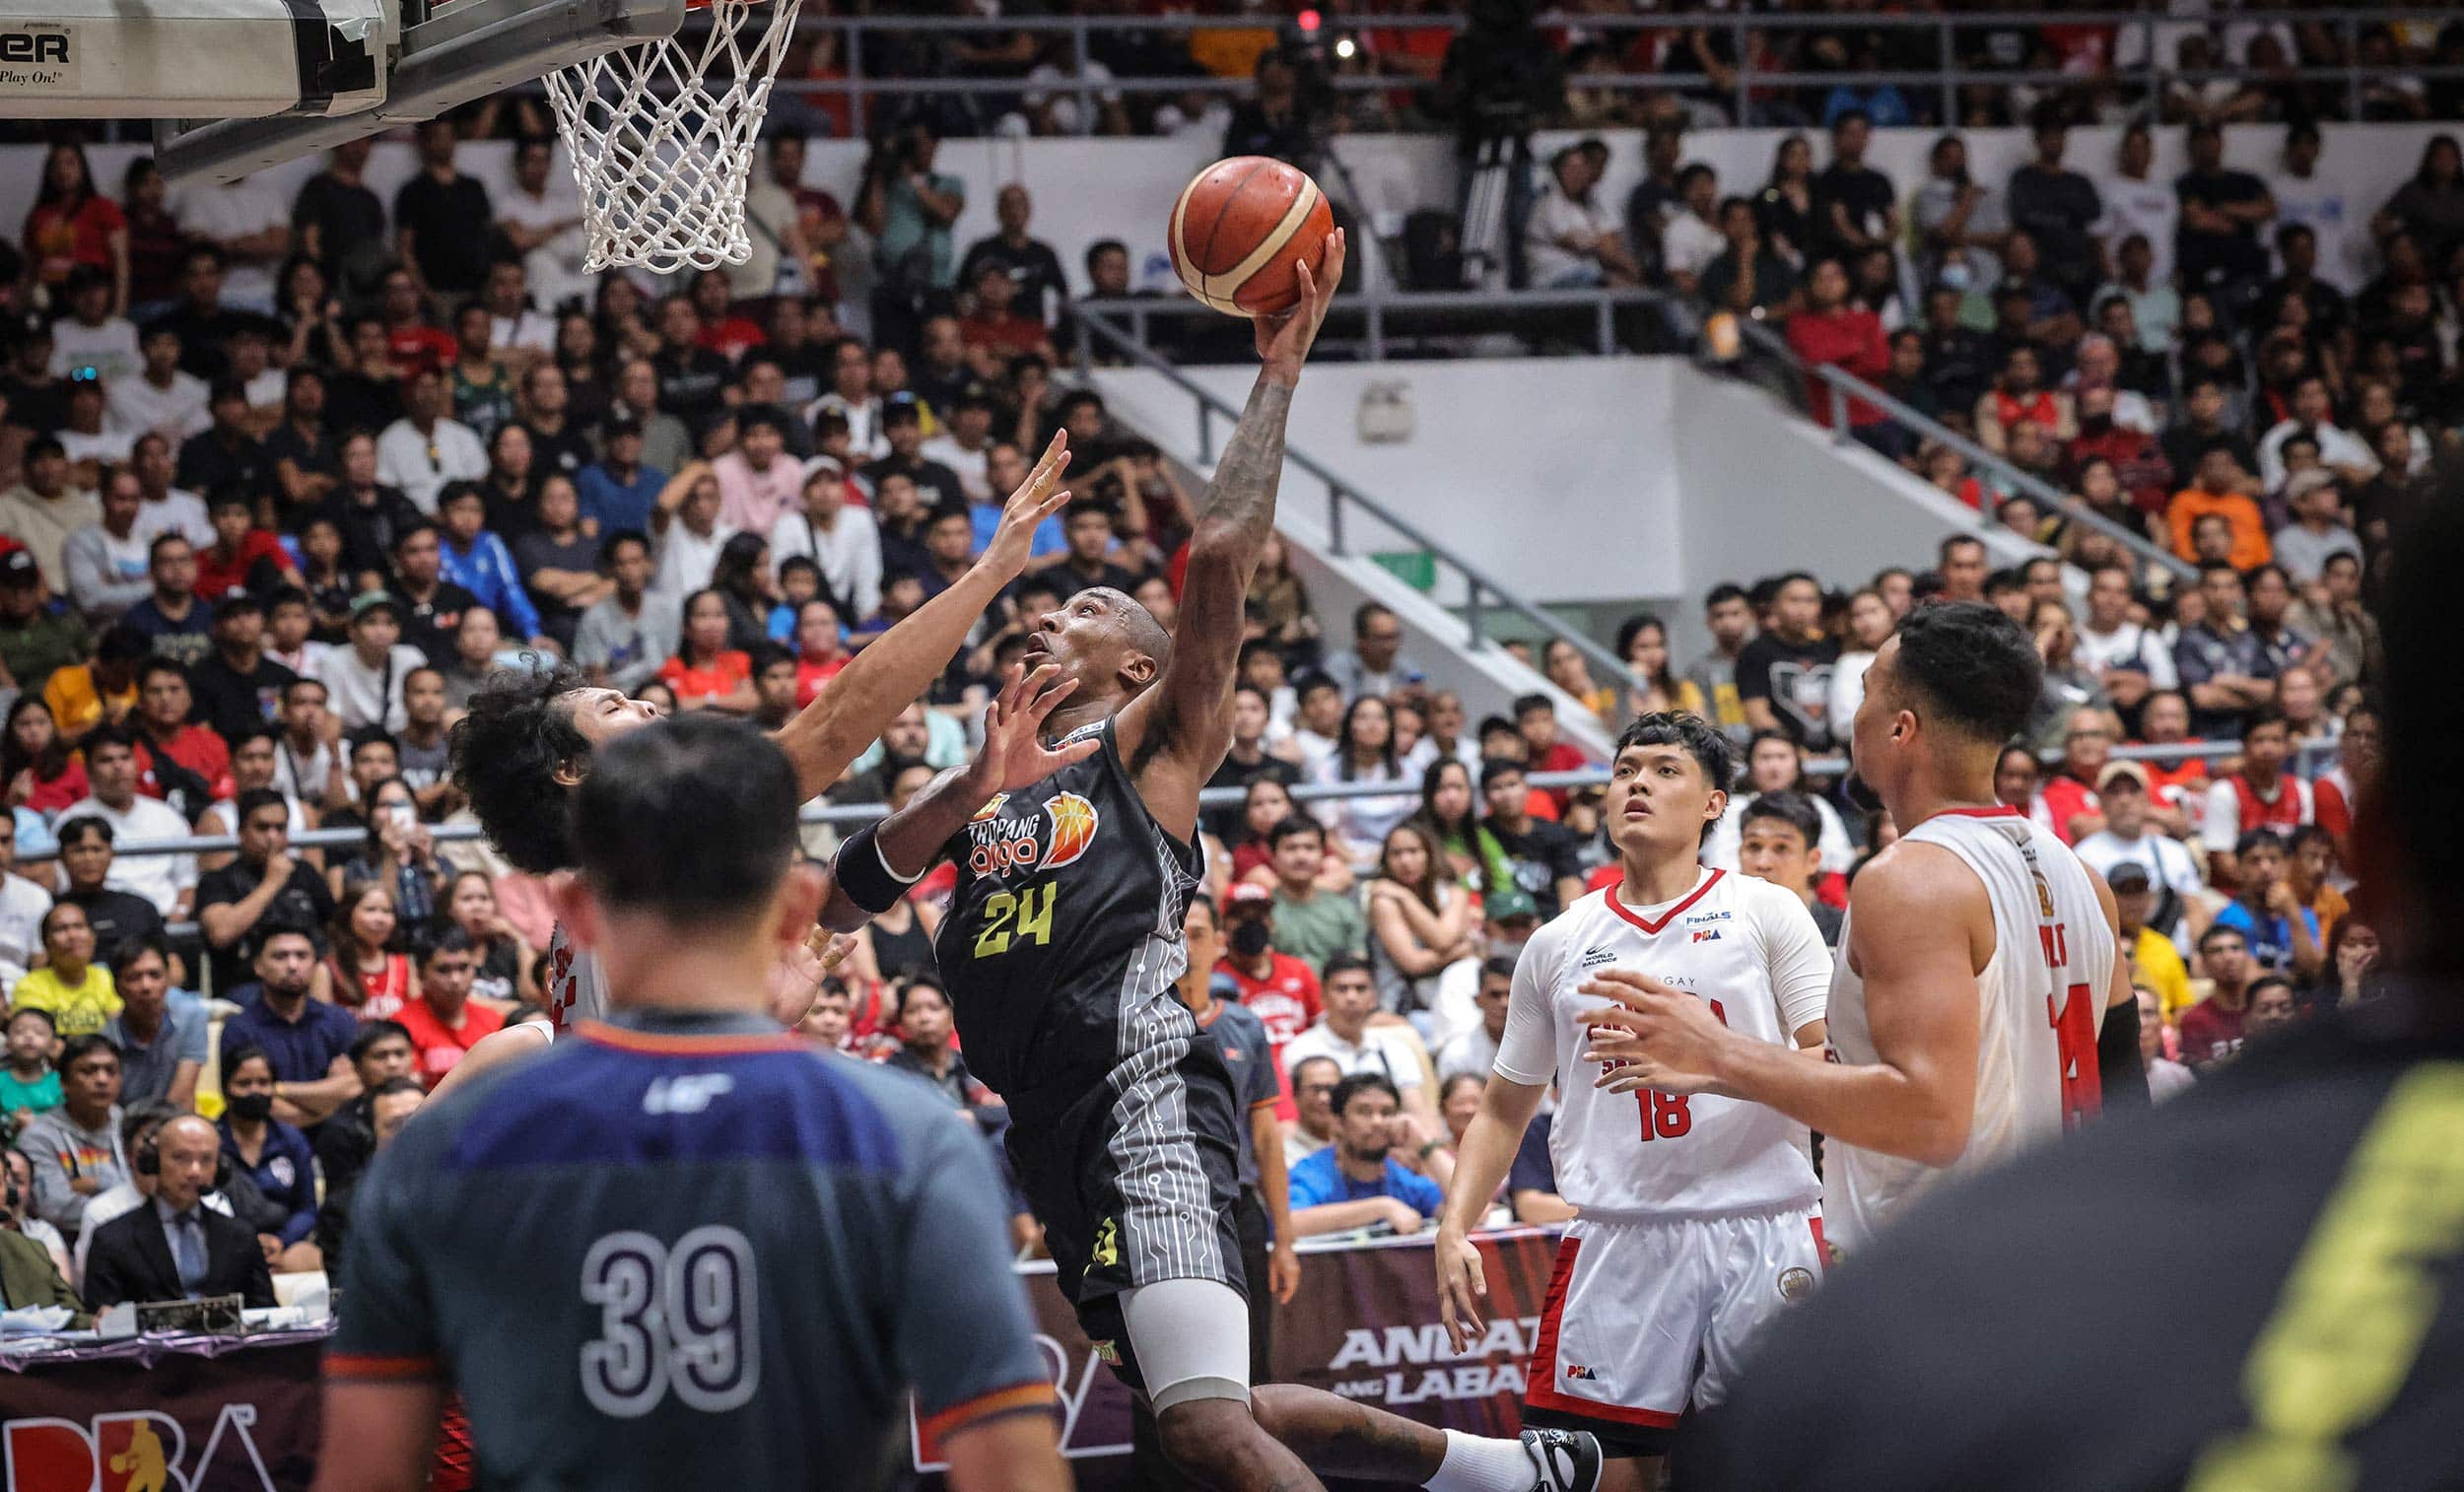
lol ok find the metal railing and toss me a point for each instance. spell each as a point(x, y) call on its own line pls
point(2308, 754)
point(1377, 308)
point(1741, 84)
point(1483, 594)
point(1842, 386)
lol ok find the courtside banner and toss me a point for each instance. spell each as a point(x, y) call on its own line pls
point(1363, 1325)
point(204, 1415)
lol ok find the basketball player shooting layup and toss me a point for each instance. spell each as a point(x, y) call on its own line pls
point(527, 744)
point(1698, 1212)
point(1983, 1005)
point(1062, 947)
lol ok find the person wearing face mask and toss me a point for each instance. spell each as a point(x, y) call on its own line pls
point(275, 1156)
point(1280, 989)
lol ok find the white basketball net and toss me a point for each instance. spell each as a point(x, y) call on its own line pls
point(662, 137)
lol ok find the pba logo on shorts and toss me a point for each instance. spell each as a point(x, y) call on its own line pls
point(1058, 835)
point(1581, 1374)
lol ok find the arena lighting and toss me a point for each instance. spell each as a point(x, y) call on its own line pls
point(1344, 49)
point(1309, 22)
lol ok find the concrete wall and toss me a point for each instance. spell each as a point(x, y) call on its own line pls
point(1593, 484)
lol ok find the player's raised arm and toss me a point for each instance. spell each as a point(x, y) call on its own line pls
point(2121, 1072)
point(878, 863)
point(1915, 922)
point(1173, 735)
point(889, 674)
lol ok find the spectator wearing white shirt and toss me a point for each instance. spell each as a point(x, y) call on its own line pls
point(514, 330)
point(107, 561)
point(251, 223)
point(1572, 238)
point(160, 397)
point(23, 906)
point(92, 439)
point(2139, 202)
point(1375, 663)
point(851, 397)
point(2129, 660)
point(90, 336)
point(835, 535)
point(541, 218)
point(167, 509)
point(964, 444)
point(686, 531)
point(1312, 1129)
point(2339, 226)
point(1344, 1036)
point(364, 680)
point(2130, 836)
point(1691, 237)
point(168, 881)
point(425, 449)
point(1474, 1049)
point(2339, 450)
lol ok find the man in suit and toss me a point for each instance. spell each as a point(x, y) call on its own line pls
point(176, 1248)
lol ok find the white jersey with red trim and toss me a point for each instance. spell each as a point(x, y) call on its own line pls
point(1752, 951)
point(2040, 1002)
point(577, 988)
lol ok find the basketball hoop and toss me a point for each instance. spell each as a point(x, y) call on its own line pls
point(662, 134)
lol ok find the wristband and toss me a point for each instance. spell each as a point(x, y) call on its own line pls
point(864, 873)
point(1430, 1148)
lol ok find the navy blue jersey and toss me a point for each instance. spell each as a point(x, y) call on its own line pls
point(690, 1252)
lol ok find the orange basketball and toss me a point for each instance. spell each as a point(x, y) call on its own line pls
point(1239, 229)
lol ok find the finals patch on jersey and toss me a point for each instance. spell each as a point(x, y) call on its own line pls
point(1056, 836)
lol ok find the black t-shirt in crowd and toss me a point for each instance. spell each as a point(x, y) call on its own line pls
point(429, 625)
point(346, 214)
point(448, 226)
point(536, 551)
point(1225, 823)
point(937, 486)
point(1543, 853)
point(115, 917)
point(689, 383)
point(1867, 194)
point(1032, 266)
point(2209, 258)
point(1796, 678)
point(563, 453)
point(2007, 1332)
point(305, 902)
point(228, 701)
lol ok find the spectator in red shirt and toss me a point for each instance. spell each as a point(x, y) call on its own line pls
point(820, 651)
point(72, 224)
point(996, 330)
point(2070, 794)
point(1836, 332)
point(243, 556)
point(163, 703)
point(722, 331)
point(443, 1022)
point(414, 346)
point(1535, 720)
point(1277, 987)
point(2138, 461)
point(705, 673)
point(2211, 1030)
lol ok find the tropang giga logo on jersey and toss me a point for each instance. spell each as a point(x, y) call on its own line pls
point(1055, 836)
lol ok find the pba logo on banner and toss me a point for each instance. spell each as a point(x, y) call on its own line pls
point(243, 1421)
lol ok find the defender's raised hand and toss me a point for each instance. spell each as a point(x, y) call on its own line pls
point(1013, 755)
point(1038, 497)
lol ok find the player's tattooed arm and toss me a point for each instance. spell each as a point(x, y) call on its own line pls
point(876, 865)
point(901, 664)
point(1183, 726)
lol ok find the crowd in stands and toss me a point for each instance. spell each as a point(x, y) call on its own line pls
point(281, 484)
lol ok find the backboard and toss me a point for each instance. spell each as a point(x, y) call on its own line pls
point(440, 57)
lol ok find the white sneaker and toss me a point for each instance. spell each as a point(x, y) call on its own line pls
point(1566, 1461)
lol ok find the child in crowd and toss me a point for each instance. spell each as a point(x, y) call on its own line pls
point(27, 1084)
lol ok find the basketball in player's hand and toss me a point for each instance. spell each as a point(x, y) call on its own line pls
point(1241, 229)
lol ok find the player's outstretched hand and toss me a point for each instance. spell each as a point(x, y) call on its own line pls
point(1656, 1036)
point(796, 979)
point(1038, 497)
point(1284, 341)
point(1462, 1285)
point(1013, 755)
